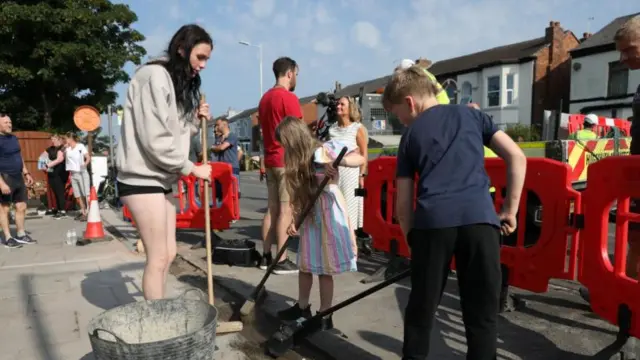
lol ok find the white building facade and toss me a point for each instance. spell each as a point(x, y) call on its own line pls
point(503, 91)
point(601, 85)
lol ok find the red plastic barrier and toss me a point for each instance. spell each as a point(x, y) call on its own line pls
point(576, 122)
point(382, 171)
point(190, 215)
point(531, 267)
point(610, 179)
point(68, 196)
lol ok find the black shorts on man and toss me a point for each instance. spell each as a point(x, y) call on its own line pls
point(18, 188)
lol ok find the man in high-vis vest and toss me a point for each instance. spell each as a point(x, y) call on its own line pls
point(586, 133)
point(442, 96)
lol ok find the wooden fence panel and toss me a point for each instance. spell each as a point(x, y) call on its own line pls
point(32, 144)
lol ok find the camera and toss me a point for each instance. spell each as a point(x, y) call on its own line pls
point(329, 101)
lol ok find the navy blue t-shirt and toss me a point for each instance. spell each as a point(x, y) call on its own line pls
point(444, 146)
point(230, 154)
point(10, 156)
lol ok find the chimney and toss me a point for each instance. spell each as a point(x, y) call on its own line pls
point(338, 86)
point(554, 35)
point(585, 36)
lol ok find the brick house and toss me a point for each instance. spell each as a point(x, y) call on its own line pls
point(514, 83)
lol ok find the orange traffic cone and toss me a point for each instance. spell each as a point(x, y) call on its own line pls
point(94, 231)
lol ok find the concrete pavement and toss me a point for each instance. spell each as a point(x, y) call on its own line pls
point(50, 291)
point(555, 325)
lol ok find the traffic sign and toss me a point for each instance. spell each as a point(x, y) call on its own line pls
point(86, 118)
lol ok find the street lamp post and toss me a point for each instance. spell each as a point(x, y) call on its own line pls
point(246, 43)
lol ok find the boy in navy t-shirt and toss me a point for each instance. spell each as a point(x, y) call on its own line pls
point(454, 212)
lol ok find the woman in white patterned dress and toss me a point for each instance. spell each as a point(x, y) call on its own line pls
point(350, 131)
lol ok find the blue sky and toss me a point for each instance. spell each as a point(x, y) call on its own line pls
point(350, 40)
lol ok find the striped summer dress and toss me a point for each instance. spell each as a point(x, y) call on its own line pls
point(349, 177)
point(327, 240)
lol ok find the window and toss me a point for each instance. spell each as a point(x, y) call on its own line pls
point(452, 91)
point(493, 91)
point(465, 93)
point(510, 89)
point(618, 79)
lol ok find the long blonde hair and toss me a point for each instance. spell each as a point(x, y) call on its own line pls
point(299, 146)
point(354, 111)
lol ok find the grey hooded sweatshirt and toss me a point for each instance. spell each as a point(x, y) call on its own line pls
point(154, 136)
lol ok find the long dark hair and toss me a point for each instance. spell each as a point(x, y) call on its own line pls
point(186, 86)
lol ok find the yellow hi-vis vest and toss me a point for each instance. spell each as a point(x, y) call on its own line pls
point(488, 153)
point(442, 97)
point(583, 135)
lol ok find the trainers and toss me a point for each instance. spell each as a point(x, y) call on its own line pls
point(50, 212)
point(294, 313)
point(11, 243)
point(26, 239)
point(60, 215)
point(285, 267)
point(266, 261)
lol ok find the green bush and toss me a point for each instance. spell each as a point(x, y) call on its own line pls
point(527, 133)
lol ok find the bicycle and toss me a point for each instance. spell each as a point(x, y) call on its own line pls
point(107, 192)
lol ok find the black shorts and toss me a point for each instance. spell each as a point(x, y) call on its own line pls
point(126, 190)
point(18, 189)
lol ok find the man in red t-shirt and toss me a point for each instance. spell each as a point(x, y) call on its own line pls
point(278, 102)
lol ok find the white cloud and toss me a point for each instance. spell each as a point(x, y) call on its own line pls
point(280, 20)
point(365, 33)
point(325, 46)
point(262, 8)
point(322, 15)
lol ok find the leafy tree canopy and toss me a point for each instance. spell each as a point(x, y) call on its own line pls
point(59, 54)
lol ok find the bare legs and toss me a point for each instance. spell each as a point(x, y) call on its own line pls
point(155, 219)
point(305, 283)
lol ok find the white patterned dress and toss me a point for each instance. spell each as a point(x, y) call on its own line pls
point(349, 177)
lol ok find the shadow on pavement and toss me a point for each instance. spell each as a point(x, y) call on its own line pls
point(116, 281)
point(42, 334)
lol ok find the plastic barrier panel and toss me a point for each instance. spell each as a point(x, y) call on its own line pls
point(222, 180)
point(532, 266)
point(189, 213)
point(186, 207)
point(613, 294)
point(380, 196)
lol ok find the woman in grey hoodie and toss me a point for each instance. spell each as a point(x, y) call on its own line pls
point(161, 115)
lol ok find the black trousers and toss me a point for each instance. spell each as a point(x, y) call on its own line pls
point(57, 182)
point(477, 252)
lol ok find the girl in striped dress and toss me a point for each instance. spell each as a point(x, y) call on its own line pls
point(327, 243)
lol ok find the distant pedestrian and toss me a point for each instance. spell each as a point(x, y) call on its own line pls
point(14, 180)
point(77, 159)
point(57, 174)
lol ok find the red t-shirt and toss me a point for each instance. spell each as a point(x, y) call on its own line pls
point(275, 105)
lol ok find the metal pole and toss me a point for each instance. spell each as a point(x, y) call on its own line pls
point(110, 119)
point(260, 48)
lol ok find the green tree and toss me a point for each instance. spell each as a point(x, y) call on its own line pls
point(59, 54)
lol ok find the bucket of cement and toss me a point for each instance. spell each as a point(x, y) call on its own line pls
point(180, 328)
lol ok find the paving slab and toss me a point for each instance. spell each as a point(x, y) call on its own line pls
point(50, 291)
point(554, 325)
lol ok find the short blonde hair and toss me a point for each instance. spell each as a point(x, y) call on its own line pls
point(354, 111)
point(412, 81)
point(629, 30)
